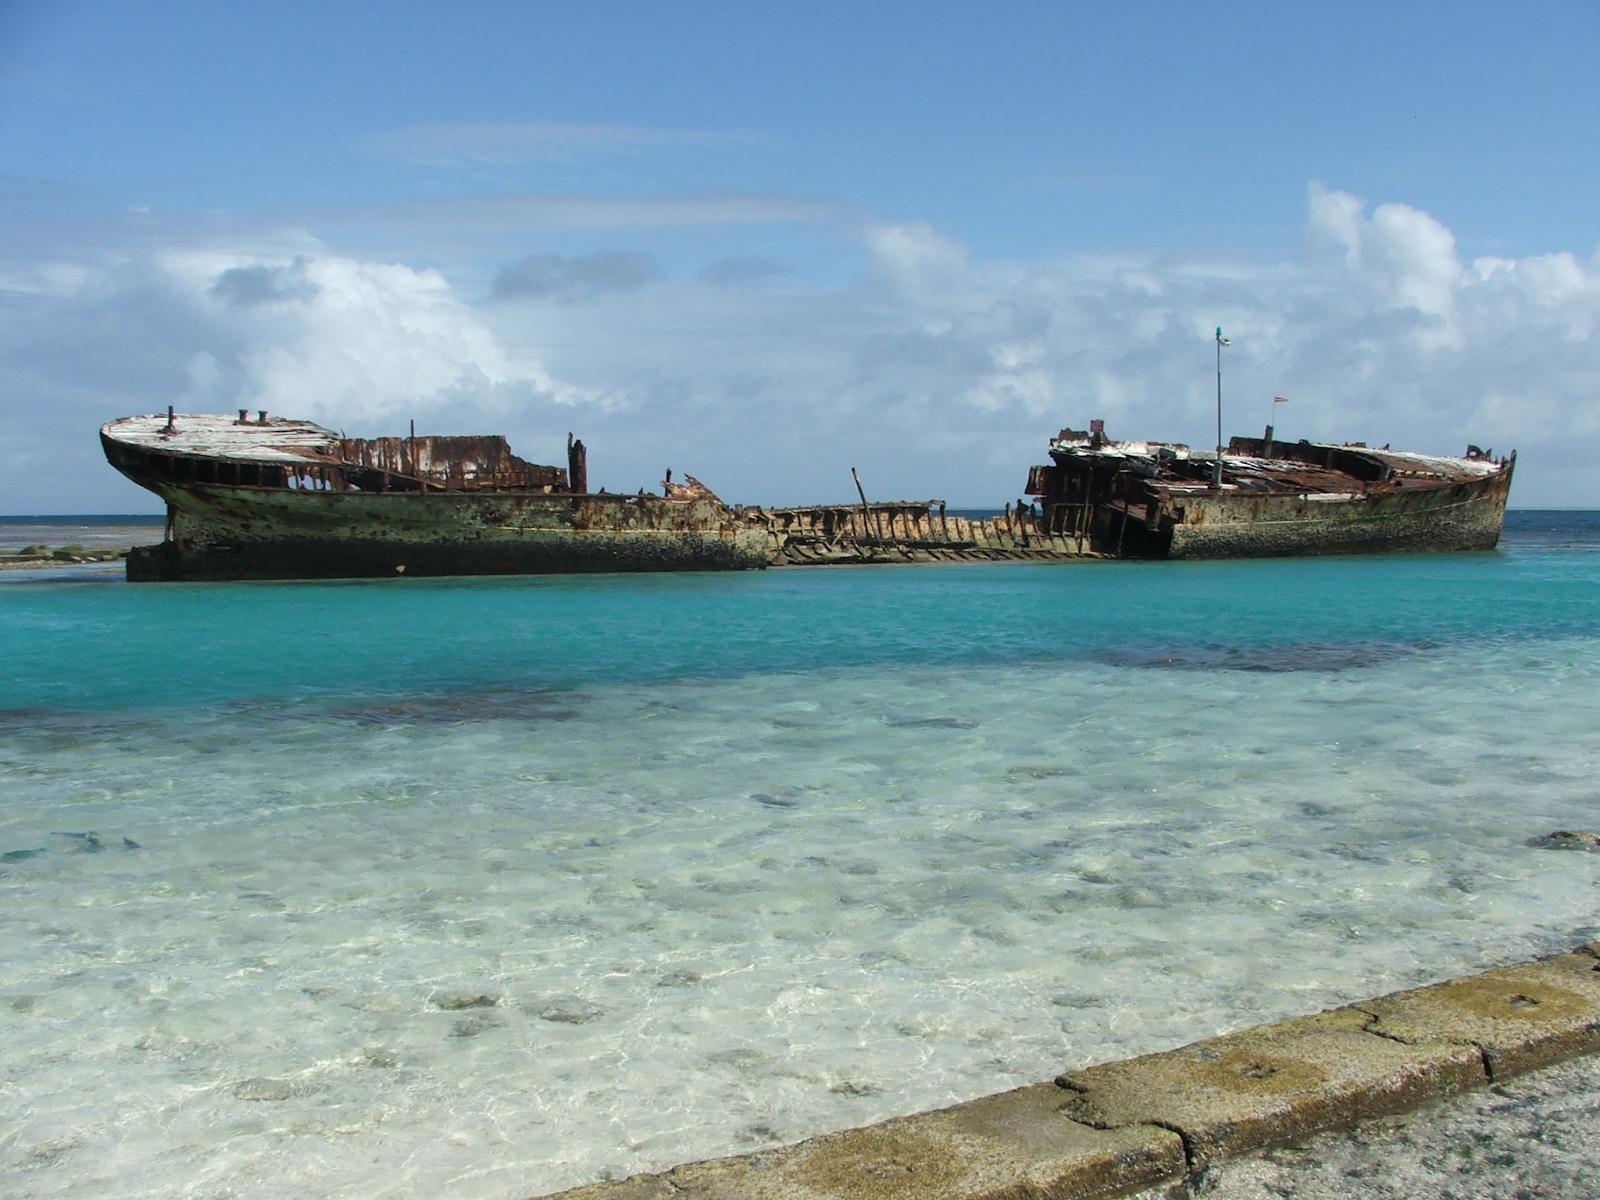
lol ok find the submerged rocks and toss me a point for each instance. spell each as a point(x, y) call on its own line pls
point(455, 1001)
point(567, 1010)
point(474, 1004)
point(1574, 837)
point(478, 1022)
point(88, 842)
point(263, 1089)
point(774, 801)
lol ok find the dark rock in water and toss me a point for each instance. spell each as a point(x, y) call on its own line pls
point(508, 704)
point(453, 1001)
point(23, 1004)
point(568, 1010)
point(19, 855)
point(474, 1025)
point(1045, 772)
point(850, 1088)
point(1574, 837)
point(263, 1089)
point(91, 840)
point(932, 723)
point(1077, 1000)
point(377, 1056)
point(678, 979)
point(875, 958)
point(774, 801)
point(1302, 656)
point(46, 1153)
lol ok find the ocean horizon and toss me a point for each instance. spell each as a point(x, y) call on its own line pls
point(490, 887)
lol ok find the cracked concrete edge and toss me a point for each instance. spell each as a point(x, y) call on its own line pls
point(1015, 1145)
point(1121, 1127)
point(1520, 1017)
point(1261, 1087)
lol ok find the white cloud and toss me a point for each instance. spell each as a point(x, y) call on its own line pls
point(355, 344)
point(344, 341)
point(918, 264)
point(934, 373)
point(44, 279)
point(939, 372)
point(1406, 257)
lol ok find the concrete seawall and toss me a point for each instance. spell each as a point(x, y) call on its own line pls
point(1124, 1126)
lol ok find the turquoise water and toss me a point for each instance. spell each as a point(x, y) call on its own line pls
point(119, 648)
point(739, 858)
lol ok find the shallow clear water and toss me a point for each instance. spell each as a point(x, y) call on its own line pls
point(112, 531)
point(740, 858)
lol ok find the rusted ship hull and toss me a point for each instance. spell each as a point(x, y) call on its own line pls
point(284, 499)
point(1266, 499)
point(279, 499)
point(1466, 516)
point(220, 532)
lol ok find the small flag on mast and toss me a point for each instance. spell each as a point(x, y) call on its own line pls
point(1280, 399)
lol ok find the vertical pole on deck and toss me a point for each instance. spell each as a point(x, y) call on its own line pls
point(1216, 470)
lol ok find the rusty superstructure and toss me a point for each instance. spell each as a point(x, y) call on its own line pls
point(1265, 498)
point(266, 498)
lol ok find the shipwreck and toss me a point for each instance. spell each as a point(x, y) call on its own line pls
point(259, 497)
point(1265, 498)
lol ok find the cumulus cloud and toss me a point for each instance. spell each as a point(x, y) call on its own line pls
point(580, 277)
point(1406, 257)
point(934, 372)
point(352, 343)
point(245, 287)
point(919, 264)
point(940, 372)
point(361, 341)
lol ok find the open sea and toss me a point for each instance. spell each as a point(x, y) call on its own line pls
point(485, 888)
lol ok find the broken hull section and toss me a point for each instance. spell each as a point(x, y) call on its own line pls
point(1466, 516)
point(219, 532)
point(1266, 499)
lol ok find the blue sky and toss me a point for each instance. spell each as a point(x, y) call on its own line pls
point(766, 243)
